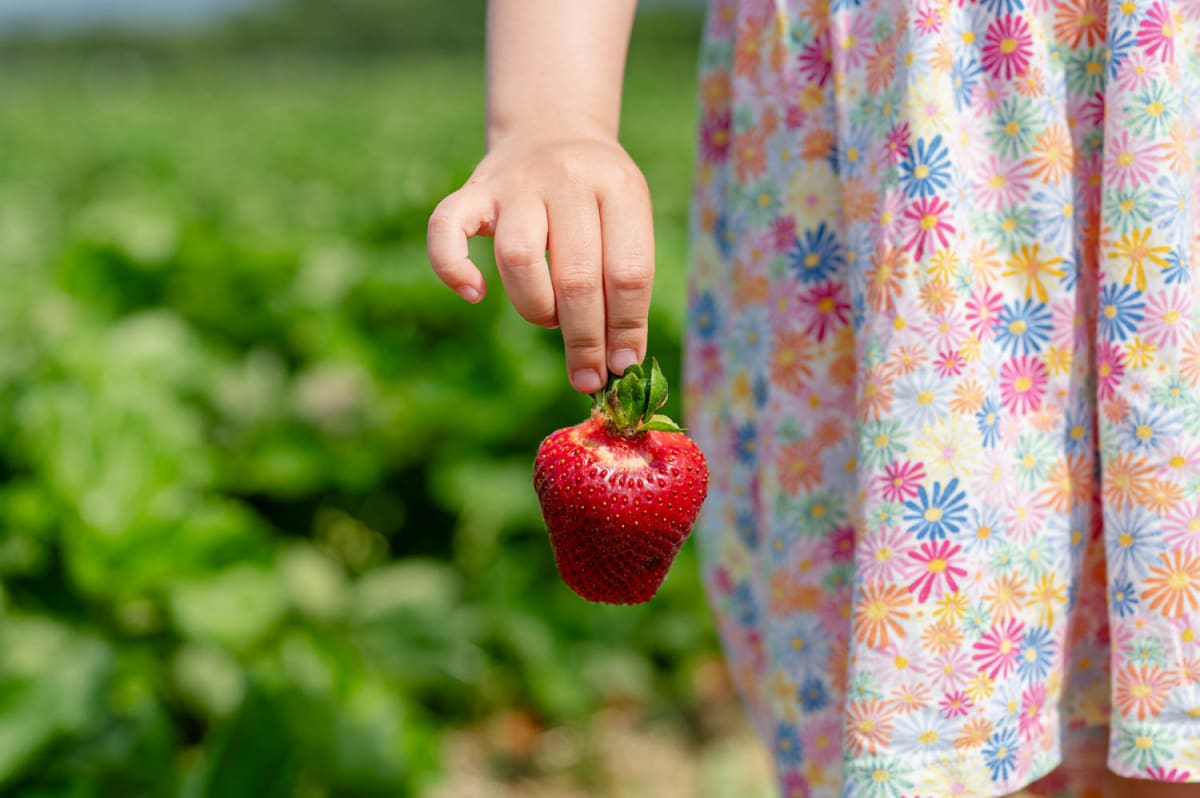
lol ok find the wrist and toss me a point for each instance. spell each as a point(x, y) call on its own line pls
point(559, 124)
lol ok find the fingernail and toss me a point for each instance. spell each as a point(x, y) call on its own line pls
point(586, 380)
point(623, 359)
point(468, 293)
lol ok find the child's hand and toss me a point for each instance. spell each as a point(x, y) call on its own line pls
point(576, 192)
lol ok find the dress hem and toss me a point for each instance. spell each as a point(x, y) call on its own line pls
point(925, 774)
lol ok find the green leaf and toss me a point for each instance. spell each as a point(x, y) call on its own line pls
point(661, 423)
point(615, 411)
point(634, 368)
point(629, 394)
point(658, 387)
point(235, 608)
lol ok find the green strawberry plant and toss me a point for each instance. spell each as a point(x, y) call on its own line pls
point(265, 520)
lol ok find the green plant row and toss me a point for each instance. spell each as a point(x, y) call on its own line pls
point(266, 521)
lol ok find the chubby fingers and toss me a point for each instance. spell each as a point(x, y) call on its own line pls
point(465, 213)
point(627, 226)
point(578, 279)
point(521, 232)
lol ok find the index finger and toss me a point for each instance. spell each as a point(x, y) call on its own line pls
point(457, 218)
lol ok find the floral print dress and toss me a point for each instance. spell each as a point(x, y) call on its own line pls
point(943, 355)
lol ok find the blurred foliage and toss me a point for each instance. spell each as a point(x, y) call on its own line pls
point(266, 519)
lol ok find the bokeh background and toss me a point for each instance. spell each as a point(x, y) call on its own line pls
point(266, 519)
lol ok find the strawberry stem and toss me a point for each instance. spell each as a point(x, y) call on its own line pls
point(629, 402)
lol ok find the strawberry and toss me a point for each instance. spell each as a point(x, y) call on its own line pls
point(620, 491)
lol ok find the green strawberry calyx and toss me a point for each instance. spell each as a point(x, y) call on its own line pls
point(630, 401)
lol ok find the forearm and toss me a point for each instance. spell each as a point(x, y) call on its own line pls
point(550, 60)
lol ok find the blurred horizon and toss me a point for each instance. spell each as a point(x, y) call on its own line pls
point(65, 17)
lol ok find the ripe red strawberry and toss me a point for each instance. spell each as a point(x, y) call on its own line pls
point(620, 491)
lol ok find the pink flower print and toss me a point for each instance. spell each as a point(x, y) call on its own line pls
point(934, 568)
point(995, 468)
point(1033, 700)
point(795, 116)
point(722, 18)
point(1022, 384)
point(841, 544)
point(1182, 527)
point(784, 230)
point(1110, 367)
point(1128, 162)
point(880, 558)
point(824, 309)
point(1007, 47)
point(950, 671)
point(853, 38)
point(901, 479)
point(1002, 184)
point(794, 784)
point(1093, 110)
point(896, 142)
point(943, 330)
point(1139, 71)
point(1161, 773)
point(983, 310)
point(721, 581)
point(1088, 175)
point(1069, 328)
point(1027, 513)
point(715, 137)
point(928, 221)
point(1167, 316)
point(997, 652)
point(822, 739)
point(1180, 459)
point(1156, 34)
point(990, 97)
point(834, 612)
point(762, 246)
point(956, 704)
point(949, 363)
point(816, 60)
point(928, 19)
point(707, 367)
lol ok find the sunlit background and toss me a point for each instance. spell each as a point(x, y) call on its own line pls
point(266, 519)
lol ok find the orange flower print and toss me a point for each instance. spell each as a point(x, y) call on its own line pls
point(1126, 479)
point(750, 153)
point(884, 278)
point(1162, 496)
point(974, 734)
point(942, 637)
point(879, 613)
point(1005, 596)
point(1079, 22)
point(1142, 690)
point(1173, 588)
point(791, 360)
point(800, 466)
point(868, 726)
point(1070, 482)
point(875, 396)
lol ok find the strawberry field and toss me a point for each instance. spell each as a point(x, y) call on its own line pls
point(267, 525)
